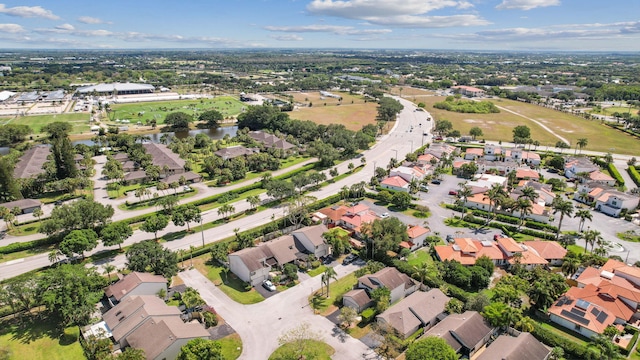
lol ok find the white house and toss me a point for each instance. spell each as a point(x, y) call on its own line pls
point(575, 166)
point(611, 202)
point(408, 173)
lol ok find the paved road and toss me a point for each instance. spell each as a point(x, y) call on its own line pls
point(260, 325)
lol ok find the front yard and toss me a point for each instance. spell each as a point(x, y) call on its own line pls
point(336, 290)
point(36, 339)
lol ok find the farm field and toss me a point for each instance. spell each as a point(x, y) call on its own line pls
point(600, 137)
point(80, 122)
point(143, 111)
point(352, 115)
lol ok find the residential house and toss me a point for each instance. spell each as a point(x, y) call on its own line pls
point(612, 202)
point(135, 283)
point(544, 191)
point(439, 150)
point(578, 165)
point(252, 265)
point(399, 284)
point(487, 181)
point(189, 177)
point(122, 157)
point(26, 206)
point(357, 299)
point(30, 164)
point(417, 235)
point(416, 311)
point(466, 333)
point(312, 240)
point(408, 173)
point(468, 90)
point(162, 337)
point(527, 174)
point(333, 214)
point(270, 140)
point(356, 216)
point(631, 273)
point(167, 160)
point(395, 183)
point(588, 192)
point(522, 347)
point(493, 152)
point(232, 152)
point(587, 312)
point(466, 251)
point(134, 177)
point(538, 212)
point(601, 178)
point(427, 159)
point(128, 315)
point(128, 166)
point(551, 251)
point(502, 167)
point(473, 153)
point(530, 158)
point(517, 253)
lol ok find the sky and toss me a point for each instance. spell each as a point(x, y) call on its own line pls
point(519, 25)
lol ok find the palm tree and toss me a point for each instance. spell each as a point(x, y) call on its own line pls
point(38, 213)
point(582, 142)
point(463, 194)
point(494, 195)
point(592, 237)
point(570, 265)
point(524, 207)
point(525, 324)
point(328, 274)
point(528, 192)
point(583, 214)
point(608, 350)
point(421, 272)
point(608, 158)
point(54, 256)
point(564, 207)
point(108, 268)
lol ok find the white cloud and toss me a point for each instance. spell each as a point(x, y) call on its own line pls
point(66, 27)
point(289, 37)
point(11, 28)
point(28, 12)
point(334, 29)
point(526, 4)
point(400, 13)
point(92, 20)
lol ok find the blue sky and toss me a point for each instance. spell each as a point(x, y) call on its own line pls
point(583, 25)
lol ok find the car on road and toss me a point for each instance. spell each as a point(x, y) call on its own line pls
point(436, 181)
point(327, 260)
point(349, 259)
point(453, 192)
point(384, 215)
point(267, 284)
point(57, 203)
point(424, 188)
point(438, 138)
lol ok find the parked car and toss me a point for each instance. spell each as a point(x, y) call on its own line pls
point(349, 259)
point(327, 260)
point(436, 181)
point(57, 203)
point(453, 192)
point(384, 215)
point(267, 284)
point(424, 188)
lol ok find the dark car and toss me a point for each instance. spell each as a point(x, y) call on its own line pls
point(327, 260)
point(436, 182)
point(57, 203)
point(453, 192)
point(349, 259)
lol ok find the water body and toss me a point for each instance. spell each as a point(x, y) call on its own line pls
point(214, 134)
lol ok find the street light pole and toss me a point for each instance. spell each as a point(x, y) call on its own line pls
point(202, 230)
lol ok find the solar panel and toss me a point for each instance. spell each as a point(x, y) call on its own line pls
point(574, 317)
point(582, 304)
point(568, 301)
point(602, 317)
point(578, 312)
point(595, 312)
point(560, 302)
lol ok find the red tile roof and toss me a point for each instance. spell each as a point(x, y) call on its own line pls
point(548, 250)
point(527, 173)
point(395, 181)
point(416, 231)
point(509, 244)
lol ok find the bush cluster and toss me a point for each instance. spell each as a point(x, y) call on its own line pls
point(635, 176)
point(615, 174)
point(572, 350)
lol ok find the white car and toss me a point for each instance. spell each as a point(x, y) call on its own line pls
point(384, 215)
point(267, 284)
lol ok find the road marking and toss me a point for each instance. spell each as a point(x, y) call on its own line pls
point(13, 262)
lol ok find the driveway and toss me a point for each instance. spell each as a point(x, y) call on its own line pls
point(260, 325)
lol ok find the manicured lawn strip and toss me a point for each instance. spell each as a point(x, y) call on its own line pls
point(152, 203)
point(231, 346)
point(26, 253)
point(231, 285)
point(314, 349)
point(562, 332)
point(38, 340)
point(336, 290)
point(243, 196)
point(576, 249)
point(317, 271)
point(25, 229)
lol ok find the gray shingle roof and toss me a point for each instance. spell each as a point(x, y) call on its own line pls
point(31, 162)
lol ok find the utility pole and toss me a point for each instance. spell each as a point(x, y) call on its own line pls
point(202, 230)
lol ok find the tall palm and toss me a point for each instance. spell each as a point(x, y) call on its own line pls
point(528, 192)
point(583, 214)
point(524, 207)
point(421, 272)
point(581, 143)
point(108, 268)
point(494, 195)
point(565, 208)
point(570, 265)
point(328, 274)
point(591, 237)
point(463, 194)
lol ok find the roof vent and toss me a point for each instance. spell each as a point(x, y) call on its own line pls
point(606, 274)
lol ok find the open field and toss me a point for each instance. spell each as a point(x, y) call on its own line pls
point(37, 340)
point(494, 126)
point(228, 106)
point(410, 91)
point(352, 111)
point(80, 121)
point(318, 100)
point(619, 109)
point(600, 137)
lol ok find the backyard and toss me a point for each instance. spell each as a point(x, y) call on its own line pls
point(36, 339)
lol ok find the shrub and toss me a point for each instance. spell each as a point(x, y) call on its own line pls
point(572, 349)
point(70, 335)
point(368, 315)
point(615, 174)
point(635, 176)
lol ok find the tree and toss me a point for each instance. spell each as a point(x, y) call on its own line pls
point(524, 206)
point(442, 127)
point(79, 241)
point(385, 235)
point(254, 201)
point(132, 354)
point(454, 306)
point(9, 188)
point(154, 223)
point(300, 340)
point(583, 214)
point(329, 273)
point(388, 108)
point(347, 316)
point(525, 324)
point(61, 149)
point(591, 237)
point(149, 256)
point(475, 132)
point(608, 350)
point(564, 207)
point(211, 118)
point(570, 265)
point(185, 214)
point(521, 134)
point(115, 234)
point(81, 214)
point(581, 143)
point(226, 210)
point(463, 194)
point(430, 347)
point(494, 195)
point(382, 297)
point(201, 349)
point(71, 292)
point(37, 213)
point(499, 314)
point(608, 158)
point(178, 120)
point(401, 200)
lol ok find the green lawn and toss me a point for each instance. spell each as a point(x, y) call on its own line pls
point(336, 290)
point(564, 333)
point(152, 203)
point(313, 349)
point(228, 106)
point(37, 340)
point(80, 122)
point(231, 346)
point(231, 285)
point(317, 271)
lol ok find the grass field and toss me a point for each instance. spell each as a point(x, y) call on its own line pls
point(352, 116)
point(313, 349)
point(619, 109)
point(408, 92)
point(228, 106)
point(231, 285)
point(231, 347)
point(37, 340)
point(80, 122)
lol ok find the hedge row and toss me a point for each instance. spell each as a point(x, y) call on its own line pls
point(635, 176)
point(452, 290)
point(571, 349)
point(540, 226)
point(509, 220)
point(615, 174)
point(28, 245)
point(510, 228)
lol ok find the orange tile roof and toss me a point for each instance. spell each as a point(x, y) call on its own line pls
point(613, 305)
point(479, 198)
point(416, 231)
point(529, 258)
point(395, 181)
point(600, 176)
point(334, 213)
point(475, 151)
point(593, 324)
point(509, 244)
point(427, 157)
point(595, 192)
point(457, 164)
point(527, 173)
point(548, 250)
point(537, 209)
point(466, 245)
point(357, 209)
point(447, 252)
point(358, 220)
point(616, 266)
